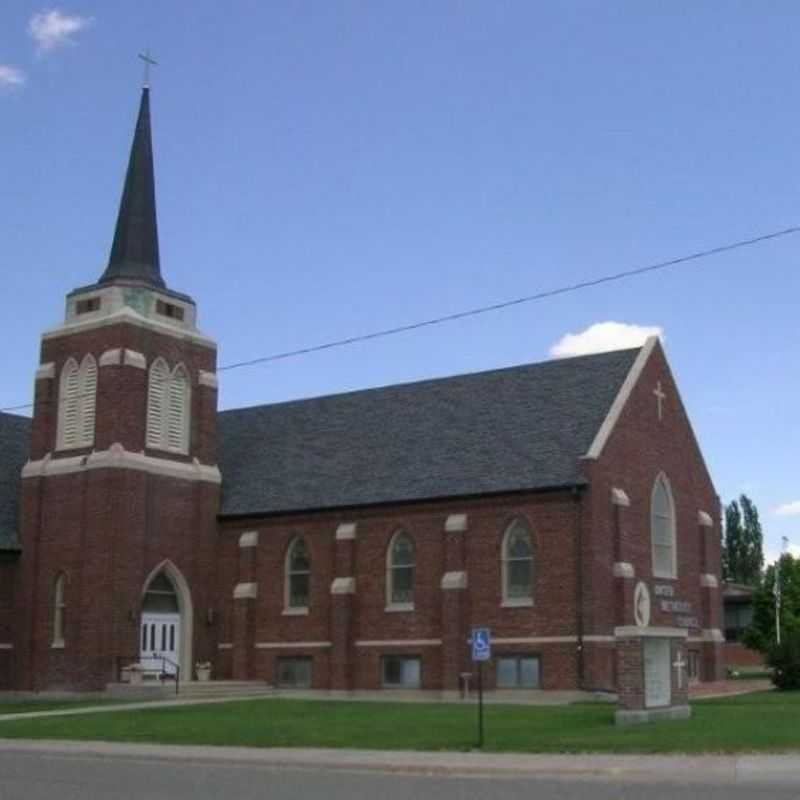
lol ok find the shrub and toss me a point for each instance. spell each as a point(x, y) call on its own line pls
point(784, 658)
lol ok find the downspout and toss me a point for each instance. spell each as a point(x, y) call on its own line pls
point(578, 540)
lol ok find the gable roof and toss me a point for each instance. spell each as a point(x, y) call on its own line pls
point(15, 434)
point(521, 428)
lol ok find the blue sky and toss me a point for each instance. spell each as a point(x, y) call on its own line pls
point(327, 169)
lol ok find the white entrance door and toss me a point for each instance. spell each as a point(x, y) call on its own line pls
point(160, 642)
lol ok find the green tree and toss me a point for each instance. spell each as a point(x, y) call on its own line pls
point(743, 546)
point(761, 633)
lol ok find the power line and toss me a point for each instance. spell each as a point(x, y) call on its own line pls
point(474, 312)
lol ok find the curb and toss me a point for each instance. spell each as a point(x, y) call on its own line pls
point(726, 770)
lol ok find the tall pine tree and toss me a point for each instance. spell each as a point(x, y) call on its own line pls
point(743, 550)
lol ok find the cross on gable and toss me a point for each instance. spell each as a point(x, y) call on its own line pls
point(680, 666)
point(660, 396)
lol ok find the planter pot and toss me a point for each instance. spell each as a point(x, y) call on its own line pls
point(204, 674)
point(135, 676)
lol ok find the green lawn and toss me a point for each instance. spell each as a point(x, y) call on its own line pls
point(760, 722)
point(768, 721)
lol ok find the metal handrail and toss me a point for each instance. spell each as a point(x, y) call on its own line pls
point(164, 662)
point(123, 661)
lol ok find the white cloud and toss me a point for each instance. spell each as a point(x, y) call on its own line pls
point(11, 76)
point(52, 28)
point(602, 337)
point(788, 509)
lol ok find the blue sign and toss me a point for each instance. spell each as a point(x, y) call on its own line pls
point(481, 644)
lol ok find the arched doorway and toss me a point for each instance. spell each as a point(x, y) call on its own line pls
point(165, 632)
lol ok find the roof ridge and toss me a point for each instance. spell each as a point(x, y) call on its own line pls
point(440, 379)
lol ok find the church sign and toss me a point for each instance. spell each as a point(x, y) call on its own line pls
point(682, 609)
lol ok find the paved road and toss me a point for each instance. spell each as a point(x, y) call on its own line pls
point(40, 776)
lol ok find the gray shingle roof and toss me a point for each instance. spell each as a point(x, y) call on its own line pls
point(509, 429)
point(14, 448)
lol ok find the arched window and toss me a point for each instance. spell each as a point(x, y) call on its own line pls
point(168, 404)
point(298, 575)
point(59, 607)
point(400, 571)
point(160, 596)
point(77, 400)
point(662, 530)
point(517, 565)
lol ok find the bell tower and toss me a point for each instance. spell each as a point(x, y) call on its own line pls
point(123, 474)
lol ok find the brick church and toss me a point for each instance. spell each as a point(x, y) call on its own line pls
point(344, 542)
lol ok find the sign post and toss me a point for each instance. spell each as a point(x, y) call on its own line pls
point(481, 651)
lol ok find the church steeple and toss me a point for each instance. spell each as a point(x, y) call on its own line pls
point(134, 253)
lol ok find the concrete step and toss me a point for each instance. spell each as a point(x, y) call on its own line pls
point(194, 690)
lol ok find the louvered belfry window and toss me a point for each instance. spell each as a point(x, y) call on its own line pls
point(168, 403)
point(77, 402)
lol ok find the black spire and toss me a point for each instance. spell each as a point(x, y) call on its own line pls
point(134, 253)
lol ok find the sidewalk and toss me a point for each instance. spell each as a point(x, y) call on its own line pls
point(776, 770)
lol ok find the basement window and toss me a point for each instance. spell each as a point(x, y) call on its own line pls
point(518, 672)
point(87, 305)
point(401, 672)
point(294, 673)
point(169, 310)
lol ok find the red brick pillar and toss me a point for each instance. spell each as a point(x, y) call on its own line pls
point(343, 599)
point(245, 594)
point(713, 659)
point(624, 572)
point(454, 585)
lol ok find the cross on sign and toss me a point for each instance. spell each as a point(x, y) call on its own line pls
point(660, 395)
point(680, 666)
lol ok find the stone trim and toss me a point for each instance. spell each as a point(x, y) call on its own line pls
point(535, 640)
point(291, 645)
point(709, 581)
point(454, 580)
point(610, 422)
point(712, 635)
point(346, 531)
point(518, 602)
point(126, 315)
point(623, 569)
point(399, 643)
point(225, 646)
point(295, 611)
point(131, 358)
point(343, 586)
point(248, 539)
point(634, 631)
point(397, 608)
point(116, 457)
point(46, 371)
point(636, 716)
point(456, 523)
point(111, 358)
point(208, 379)
point(704, 519)
point(620, 498)
point(6, 646)
point(245, 591)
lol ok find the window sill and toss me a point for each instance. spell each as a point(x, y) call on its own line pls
point(57, 646)
point(295, 612)
point(393, 608)
point(664, 577)
point(520, 602)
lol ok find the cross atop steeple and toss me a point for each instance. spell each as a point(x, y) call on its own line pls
point(148, 61)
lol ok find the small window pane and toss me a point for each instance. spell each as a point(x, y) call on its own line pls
point(519, 545)
point(506, 673)
point(402, 551)
point(294, 673)
point(298, 590)
point(519, 578)
point(529, 673)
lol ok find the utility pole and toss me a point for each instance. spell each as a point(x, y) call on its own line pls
point(777, 590)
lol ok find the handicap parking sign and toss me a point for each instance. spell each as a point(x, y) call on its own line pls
point(481, 644)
